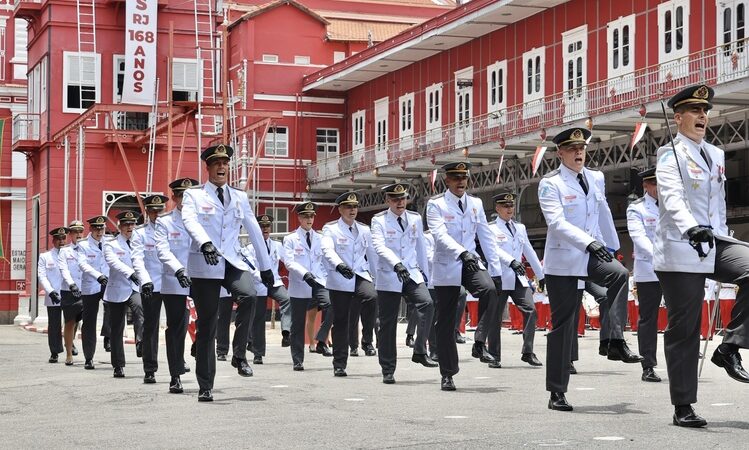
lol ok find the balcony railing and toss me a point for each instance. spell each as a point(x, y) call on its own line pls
point(720, 64)
point(25, 127)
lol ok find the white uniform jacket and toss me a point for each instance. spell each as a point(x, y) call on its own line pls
point(574, 220)
point(690, 194)
point(49, 274)
point(173, 249)
point(119, 287)
point(394, 246)
point(145, 257)
point(249, 257)
point(642, 218)
point(429, 245)
point(299, 258)
point(455, 231)
point(68, 261)
point(92, 264)
point(206, 219)
point(517, 246)
point(340, 245)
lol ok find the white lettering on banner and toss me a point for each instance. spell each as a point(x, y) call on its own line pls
point(140, 52)
point(17, 240)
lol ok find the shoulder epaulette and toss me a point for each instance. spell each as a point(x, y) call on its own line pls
point(413, 213)
point(493, 222)
point(593, 169)
point(200, 186)
point(438, 196)
point(381, 213)
point(639, 200)
point(166, 213)
point(332, 222)
point(362, 223)
point(141, 226)
point(553, 173)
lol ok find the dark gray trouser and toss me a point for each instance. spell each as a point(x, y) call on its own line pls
point(105, 322)
point(480, 285)
point(684, 294)
point(576, 320)
point(257, 324)
point(411, 319)
point(54, 329)
point(600, 294)
point(151, 319)
point(366, 308)
point(524, 303)
point(460, 309)
point(242, 322)
point(342, 303)
point(487, 330)
point(135, 304)
point(649, 296)
point(564, 301)
point(299, 307)
point(177, 318)
point(388, 306)
point(117, 321)
point(205, 293)
point(88, 327)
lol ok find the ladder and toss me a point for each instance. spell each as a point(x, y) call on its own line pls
point(234, 172)
point(86, 25)
point(205, 46)
point(152, 137)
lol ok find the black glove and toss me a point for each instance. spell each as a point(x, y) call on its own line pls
point(345, 270)
point(309, 279)
point(147, 290)
point(542, 285)
point(134, 278)
point(469, 261)
point(268, 278)
point(210, 253)
point(700, 234)
point(517, 267)
point(598, 250)
point(75, 291)
point(103, 280)
point(54, 296)
point(183, 279)
point(402, 272)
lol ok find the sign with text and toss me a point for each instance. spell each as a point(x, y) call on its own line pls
point(140, 52)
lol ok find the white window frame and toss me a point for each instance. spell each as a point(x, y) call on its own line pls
point(667, 30)
point(37, 88)
point(278, 144)
point(619, 29)
point(302, 60)
point(329, 147)
point(575, 98)
point(534, 62)
point(358, 129)
point(68, 60)
point(3, 47)
point(338, 56)
point(271, 59)
point(733, 55)
point(20, 55)
point(280, 217)
point(406, 118)
point(496, 91)
point(433, 102)
point(181, 85)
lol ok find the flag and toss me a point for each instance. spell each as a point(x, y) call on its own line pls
point(499, 171)
point(433, 178)
point(537, 158)
point(639, 133)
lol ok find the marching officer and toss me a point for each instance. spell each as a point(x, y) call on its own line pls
point(692, 243)
point(347, 247)
point(642, 218)
point(172, 248)
point(580, 228)
point(122, 289)
point(93, 282)
point(277, 292)
point(398, 239)
point(149, 269)
point(307, 278)
point(512, 237)
point(50, 278)
point(455, 219)
point(212, 215)
point(72, 306)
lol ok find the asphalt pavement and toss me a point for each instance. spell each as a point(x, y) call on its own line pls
point(46, 405)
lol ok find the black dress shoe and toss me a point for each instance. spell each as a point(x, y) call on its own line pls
point(69, 362)
point(731, 362)
point(354, 352)
point(618, 351)
point(558, 402)
point(434, 357)
point(447, 384)
point(648, 374)
point(285, 340)
point(339, 372)
point(369, 350)
point(424, 360)
point(495, 364)
point(175, 386)
point(75, 351)
point(186, 369)
point(149, 378)
point(603, 347)
point(205, 395)
point(298, 367)
point(410, 340)
point(220, 357)
point(573, 371)
point(483, 352)
point(89, 365)
point(531, 359)
point(119, 373)
point(684, 416)
point(193, 350)
point(323, 349)
point(459, 338)
point(53, 358)
point(257, 359)
point(388, 378)
point(107, 345)
point(139, 349)
point(243, 368)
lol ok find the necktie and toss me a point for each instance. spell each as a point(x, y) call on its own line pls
point(128, 243)
point(400, 222)
point(509, 227)
point(583, 184)
point(99, 245)
point(704, 156)
point(309, 240)
point(460, 205)
point(267, 246)
point(220, 194)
